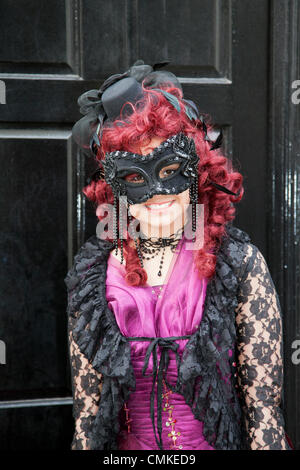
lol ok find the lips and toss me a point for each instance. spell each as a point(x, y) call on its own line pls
point(159, 206)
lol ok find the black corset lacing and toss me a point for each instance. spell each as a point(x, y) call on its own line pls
point(165, 344)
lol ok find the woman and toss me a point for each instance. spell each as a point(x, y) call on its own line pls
point(180, 347)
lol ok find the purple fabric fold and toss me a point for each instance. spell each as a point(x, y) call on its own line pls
point(176, 311)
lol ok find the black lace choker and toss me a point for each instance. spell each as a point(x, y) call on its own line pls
point(152, 247)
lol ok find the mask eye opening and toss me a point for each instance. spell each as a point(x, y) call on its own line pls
point(165, 165)
point(122, 177)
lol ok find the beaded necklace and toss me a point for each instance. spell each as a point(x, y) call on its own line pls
point(152, 247)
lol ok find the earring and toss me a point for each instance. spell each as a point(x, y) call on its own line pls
point(135, 240)
point(193, 190)
point(118, 224)
point(115, 224)
point(121, 232)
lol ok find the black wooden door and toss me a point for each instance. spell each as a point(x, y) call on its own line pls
point(228, 58)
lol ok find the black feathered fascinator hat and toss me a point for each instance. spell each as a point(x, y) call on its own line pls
point(106, 105)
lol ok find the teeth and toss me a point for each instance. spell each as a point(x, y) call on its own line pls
point(159, 206)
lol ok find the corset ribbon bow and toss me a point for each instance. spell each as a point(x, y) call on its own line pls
point(166, 344)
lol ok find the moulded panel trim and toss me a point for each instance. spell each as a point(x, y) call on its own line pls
point(36, 402)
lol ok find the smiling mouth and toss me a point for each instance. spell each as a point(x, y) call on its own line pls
point(159, 206)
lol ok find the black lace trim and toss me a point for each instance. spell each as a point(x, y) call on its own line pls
point(205, 359)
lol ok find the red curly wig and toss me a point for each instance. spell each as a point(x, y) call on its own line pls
point(155, 116)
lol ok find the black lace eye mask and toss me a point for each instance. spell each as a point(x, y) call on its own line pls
point(140, 177)
point(169, 169)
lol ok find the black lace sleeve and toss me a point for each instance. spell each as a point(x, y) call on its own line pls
point(86, 387)
point(260, 355)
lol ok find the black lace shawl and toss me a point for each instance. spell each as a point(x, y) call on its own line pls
point(205, 360)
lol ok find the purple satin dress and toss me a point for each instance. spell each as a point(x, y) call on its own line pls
point(174, 309)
